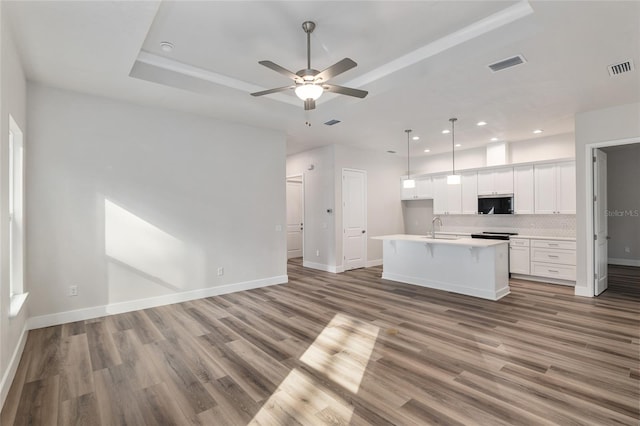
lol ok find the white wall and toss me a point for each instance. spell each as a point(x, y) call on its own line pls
point(12, 88)
point(323, 191)
point(319, 225)
point(538, 149)
point(623, 204)
point(543, 148)
point(384, 209)
point(616, 123)
point(131, 202)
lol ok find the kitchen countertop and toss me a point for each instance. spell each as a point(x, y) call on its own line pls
point(543, 237)
point(530, 237)
point(467, 242)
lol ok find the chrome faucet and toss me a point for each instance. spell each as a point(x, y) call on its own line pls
point(433, 225)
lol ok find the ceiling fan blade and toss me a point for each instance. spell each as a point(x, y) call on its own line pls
point(277, 89)
point(281, 70)
point(309, 104)
point(338, 68)
point(345, 90)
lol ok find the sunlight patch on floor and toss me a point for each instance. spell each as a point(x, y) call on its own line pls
point(341, 352)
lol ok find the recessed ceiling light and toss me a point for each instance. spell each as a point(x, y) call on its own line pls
point(427, 150)
point(494, 139)
point(445, 131)
point(415, 138)
point(481, 123)
point(458, 145)
point(166, 46)
point(537, 131)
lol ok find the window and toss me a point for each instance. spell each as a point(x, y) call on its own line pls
point(16, 218)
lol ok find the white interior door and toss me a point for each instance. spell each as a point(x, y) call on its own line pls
point(600, 221)
point(354, 218)
point(295, 215)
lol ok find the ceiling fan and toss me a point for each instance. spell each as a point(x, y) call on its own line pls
point(309, 84)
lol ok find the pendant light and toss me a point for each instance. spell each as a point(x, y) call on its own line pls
point(453, 178)
point(408, 182)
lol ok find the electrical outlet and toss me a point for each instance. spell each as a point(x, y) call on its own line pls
point(317, 252)
point(278, 228)
point(627, 249)
point(73, 290)
point(220, 271)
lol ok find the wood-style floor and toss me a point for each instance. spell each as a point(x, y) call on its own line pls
point(343, 349)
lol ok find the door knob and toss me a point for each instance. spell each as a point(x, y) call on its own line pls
point(363, 231)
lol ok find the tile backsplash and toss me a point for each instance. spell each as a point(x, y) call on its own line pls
point(561, 225)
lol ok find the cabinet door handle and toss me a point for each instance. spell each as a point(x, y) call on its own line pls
point(552, 244)
point(553, 256)
point(555, 271)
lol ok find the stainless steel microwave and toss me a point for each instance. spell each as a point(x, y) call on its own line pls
point(495, 204)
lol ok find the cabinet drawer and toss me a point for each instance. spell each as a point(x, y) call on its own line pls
point(561, 272)
point(554, 244)
point(562, 257)
point(519, 242)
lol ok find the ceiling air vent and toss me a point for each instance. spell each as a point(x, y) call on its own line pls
point(332, 122)
point(621, 68)
point(507, 63)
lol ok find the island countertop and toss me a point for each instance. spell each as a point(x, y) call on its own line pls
point(467, 242)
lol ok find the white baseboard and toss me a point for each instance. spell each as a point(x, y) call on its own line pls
point(624, 262)
point(320, 266)
point(151, 302)
point(372, 263)
point(12, 367)
point(339, 268)
point(583, 291)
point(545, 280)
point(489, 294)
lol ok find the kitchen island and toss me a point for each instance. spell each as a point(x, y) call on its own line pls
point(474, 267)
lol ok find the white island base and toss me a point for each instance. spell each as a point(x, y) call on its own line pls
point(474, 267)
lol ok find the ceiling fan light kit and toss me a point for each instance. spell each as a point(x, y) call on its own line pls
point(310, 84)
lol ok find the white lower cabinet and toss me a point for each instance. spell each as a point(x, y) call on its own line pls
point(519, 261)
point(553, 259)
point(551, 270)
point(542, 259)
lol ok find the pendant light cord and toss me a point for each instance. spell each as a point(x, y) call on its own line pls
point(408, 131)
point(453, 145)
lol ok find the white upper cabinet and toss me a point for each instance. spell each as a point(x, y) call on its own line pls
point(469, 193)
point(407, 193)
point(547, 188)
point(566, 175)
point(422, 190)
point(495, 181)
point(555, 188)
point(523, 189)
point(447, 199)
point(424, 187)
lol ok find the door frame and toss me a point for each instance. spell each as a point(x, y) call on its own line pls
point(590, 227)
point(304, 219)
point(366, 223)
